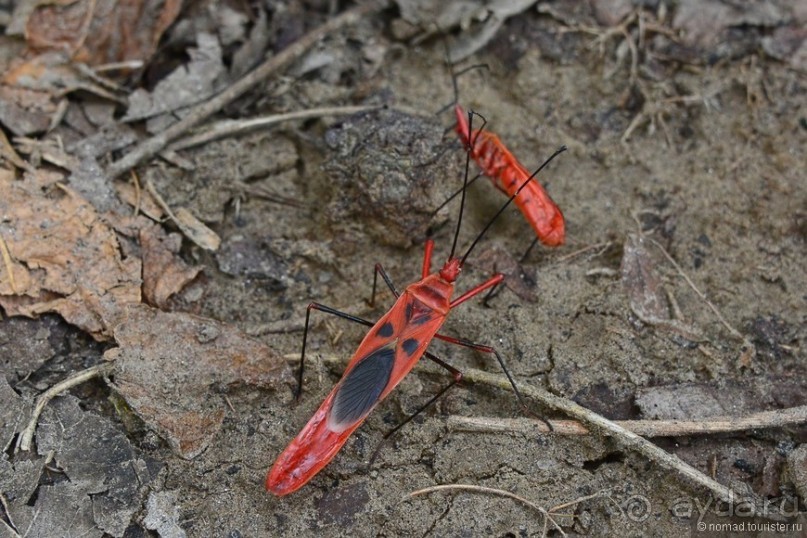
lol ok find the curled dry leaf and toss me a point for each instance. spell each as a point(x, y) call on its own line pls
point(168, 364)
point(62, 258)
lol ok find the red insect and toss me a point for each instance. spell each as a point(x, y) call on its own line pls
point(508, 175)
point(387, 353)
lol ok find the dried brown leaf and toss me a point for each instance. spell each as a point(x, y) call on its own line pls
point(168, 364)
point(196, 230)
point(101, 31)
point(63, 258)
point(143, 201)
point(164, 273)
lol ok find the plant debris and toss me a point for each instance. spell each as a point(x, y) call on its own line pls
point(169, 365)
point(517, 278)
point(646, 292)
point(64, 259)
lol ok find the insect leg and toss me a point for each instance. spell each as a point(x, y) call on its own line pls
point(457, 379)
point(327, 310)
point(491, 282)
point(489, 349)
point(528, 251)
point(379, 270)
point(470, 181)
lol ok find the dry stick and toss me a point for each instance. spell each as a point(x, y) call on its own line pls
point(578, 252)
point(138, 194)
point(626, 439)
point(150, 147)
point(224, 128)
point(27, 436)
point(483, 489)
point(645, 428)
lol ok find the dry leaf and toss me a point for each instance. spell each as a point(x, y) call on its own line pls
point(196, 230)
point(188, 84)
point(640, 279)
point(101, 31)
point(645, 290)
point(25, 111)
point(62, 258)
point(101, 467)
point(164, 273)
point(143, 201)
point(168, 365)
point(8, 153)
point(516, 278)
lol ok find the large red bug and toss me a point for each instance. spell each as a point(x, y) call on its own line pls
point(387, 353)
point(508, 175)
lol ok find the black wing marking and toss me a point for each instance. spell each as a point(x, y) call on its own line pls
point(361, 388)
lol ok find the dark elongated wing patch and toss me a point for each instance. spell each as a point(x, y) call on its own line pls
point(361, 388)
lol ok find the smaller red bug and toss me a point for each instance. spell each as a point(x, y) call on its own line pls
point(388, 352)
point(507, 175)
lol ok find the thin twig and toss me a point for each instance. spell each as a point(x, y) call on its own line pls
point(483, 489)
point(623, 437)
point(152, 190)
point(138, 194)
point(645, 428)
point(224, 128)
point(260, 191)
point(692, 285)
point(27, 436)
point(150, 147)
point(190, 226)
point(283, 326)
point(578, 252)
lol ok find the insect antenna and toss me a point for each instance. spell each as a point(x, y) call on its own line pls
point(464, 189)
point(455, 76)
point(513, 197)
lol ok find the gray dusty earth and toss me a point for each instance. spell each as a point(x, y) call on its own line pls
point(704, 158)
